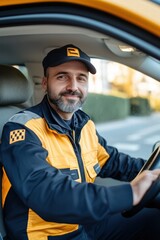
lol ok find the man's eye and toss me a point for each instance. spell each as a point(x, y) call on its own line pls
point(82, 79)
point(62, 77)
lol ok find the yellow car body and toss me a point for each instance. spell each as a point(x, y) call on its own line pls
point(142, 13)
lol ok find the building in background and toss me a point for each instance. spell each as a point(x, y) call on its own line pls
point(117, 79)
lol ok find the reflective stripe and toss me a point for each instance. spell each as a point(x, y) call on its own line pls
point(23, 117)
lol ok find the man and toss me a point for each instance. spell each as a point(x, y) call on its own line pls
point(52, 154)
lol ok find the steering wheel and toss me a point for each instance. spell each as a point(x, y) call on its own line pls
point(152, 163)
point(152, 192)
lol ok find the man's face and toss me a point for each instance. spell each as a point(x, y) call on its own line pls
point(67, 87)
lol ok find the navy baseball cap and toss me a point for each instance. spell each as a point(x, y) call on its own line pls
point(67, 53)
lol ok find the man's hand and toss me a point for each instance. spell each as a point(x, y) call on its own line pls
point(142, 183)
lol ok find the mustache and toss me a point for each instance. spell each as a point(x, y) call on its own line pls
point(74, 93)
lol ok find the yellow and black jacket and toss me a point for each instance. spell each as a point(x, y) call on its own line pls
point(49, 171)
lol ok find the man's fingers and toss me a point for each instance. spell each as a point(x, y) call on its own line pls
point(142, 183)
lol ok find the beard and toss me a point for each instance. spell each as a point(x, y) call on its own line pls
point(68, 105)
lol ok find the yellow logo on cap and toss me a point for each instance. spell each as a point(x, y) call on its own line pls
point(17, 135)
point(73, 52)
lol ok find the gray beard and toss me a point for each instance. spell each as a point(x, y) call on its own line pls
point(69, 107)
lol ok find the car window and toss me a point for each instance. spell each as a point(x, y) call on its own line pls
point(125, 104)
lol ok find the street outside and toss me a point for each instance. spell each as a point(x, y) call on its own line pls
point(134, 135)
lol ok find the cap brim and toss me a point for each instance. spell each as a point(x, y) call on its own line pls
point(89, 65)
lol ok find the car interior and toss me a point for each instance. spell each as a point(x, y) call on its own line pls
point(27, 36)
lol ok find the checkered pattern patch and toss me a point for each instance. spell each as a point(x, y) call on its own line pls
point(17, 135)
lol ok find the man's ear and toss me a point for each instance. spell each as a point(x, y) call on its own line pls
point(44, 83)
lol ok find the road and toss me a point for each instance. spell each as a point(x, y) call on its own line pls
point(134, 135)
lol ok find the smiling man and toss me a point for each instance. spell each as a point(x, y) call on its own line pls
point(52, 154)
point(66, 86)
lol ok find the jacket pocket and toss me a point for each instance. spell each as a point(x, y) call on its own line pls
point(73, 173)
point(92, 171)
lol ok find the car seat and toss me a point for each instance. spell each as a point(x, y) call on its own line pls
point(15, 95)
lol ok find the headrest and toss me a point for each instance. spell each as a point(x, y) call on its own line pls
point(14, 86)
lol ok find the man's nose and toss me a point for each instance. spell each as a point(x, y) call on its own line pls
point(72, 84)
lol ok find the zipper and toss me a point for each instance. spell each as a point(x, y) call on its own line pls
point(77, 151)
